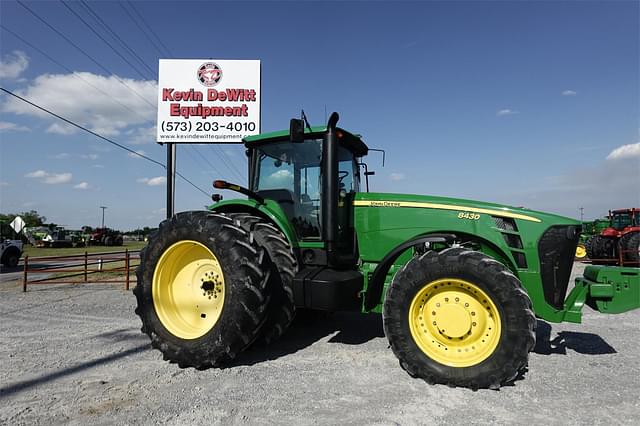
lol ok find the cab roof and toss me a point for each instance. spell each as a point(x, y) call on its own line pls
point(347, 139)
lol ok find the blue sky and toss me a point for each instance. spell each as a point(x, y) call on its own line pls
point(531, 104)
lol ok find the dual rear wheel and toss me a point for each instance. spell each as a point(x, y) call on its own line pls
point(210, 284)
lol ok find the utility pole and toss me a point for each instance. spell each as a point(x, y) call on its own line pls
point(581, 214)
point(103, 207)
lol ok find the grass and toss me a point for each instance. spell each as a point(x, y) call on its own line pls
point(38, 252)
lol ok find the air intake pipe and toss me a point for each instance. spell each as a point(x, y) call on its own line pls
point(330, 189)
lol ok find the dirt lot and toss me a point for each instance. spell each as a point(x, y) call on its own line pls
point(76, 355)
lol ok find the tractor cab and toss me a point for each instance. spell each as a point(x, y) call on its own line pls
point(621, 219)
point(313, 173)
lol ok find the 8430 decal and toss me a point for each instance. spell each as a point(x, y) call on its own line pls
point(467, 215)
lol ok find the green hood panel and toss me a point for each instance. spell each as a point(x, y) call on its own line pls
point(371, 199)
point(384, 220)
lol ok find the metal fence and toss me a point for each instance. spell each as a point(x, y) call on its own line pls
point(84, 268)
point(622, 259)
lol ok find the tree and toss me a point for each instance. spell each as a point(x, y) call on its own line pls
point(32, 218)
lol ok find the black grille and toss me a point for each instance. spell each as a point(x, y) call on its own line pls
point(505, 223)
point(521, 260)
point(512, 240)
point(557, 248)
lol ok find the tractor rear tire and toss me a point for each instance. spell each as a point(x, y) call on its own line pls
point(600, 249)
point(282, 308)
point(460, 318)
point(630, 245)
point(202, 289)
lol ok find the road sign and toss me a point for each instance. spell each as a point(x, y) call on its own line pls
point(17, 224)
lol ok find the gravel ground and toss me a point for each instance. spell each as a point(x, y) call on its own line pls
point(76, 355)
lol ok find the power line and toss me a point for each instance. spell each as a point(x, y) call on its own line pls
point(115, 35)
point(103, 39)
point(195, 158)
point(71, 72)
point(80, 126)
point(133, 7)
point(112, 142)
point(83, 52)
point(227, 161)
point(140, 28)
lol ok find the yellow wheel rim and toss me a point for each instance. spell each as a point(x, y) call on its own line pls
point(454, 322)
point(581, 251)
point(188, 289)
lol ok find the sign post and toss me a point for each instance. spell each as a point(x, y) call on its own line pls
point(171, 179)
point(205, 101)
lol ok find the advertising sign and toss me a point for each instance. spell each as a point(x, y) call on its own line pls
point(208, 100)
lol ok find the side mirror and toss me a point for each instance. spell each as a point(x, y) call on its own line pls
point(296, 130)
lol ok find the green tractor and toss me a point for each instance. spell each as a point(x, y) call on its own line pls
point(589, 229)
point(459, 283)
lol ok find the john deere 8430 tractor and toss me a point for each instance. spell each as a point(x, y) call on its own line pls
point(459, 283)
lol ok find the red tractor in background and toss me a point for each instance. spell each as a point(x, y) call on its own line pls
point(106, 237)
point(620, 241)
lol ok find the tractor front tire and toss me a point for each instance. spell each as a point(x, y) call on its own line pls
point(460, 318)
point(202, 289)
point(11, 257)
point(630, 246)
point(282, 308)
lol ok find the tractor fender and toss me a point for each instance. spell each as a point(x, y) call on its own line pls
point(376, 282)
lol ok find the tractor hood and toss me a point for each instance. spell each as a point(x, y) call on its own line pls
point(458, 205)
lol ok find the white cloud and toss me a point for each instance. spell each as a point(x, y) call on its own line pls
point(506, 111)
point(36, 174)
point(50, 178)
point(70, 96)
point(61, 156)
point(56, 178)
point(6, 126)
point(3, 183)
point(98, 166)
point(155, 181)
point(278, 179)
point(569, 93)
point(90, 156)
point(82, 185)
point(160, 211)
point(625, 151)
point(142, 135)
point(13, 64)
point(137, 155)
point(61, 129)
point(397, 176)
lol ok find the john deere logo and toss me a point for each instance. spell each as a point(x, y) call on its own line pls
point(209, 74)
